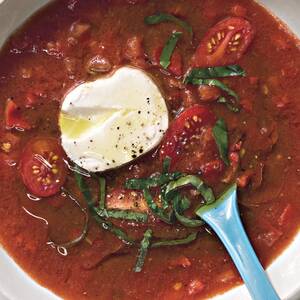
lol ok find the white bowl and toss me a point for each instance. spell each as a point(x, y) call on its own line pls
point(284, 272)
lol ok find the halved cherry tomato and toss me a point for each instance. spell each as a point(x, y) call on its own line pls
point(13, 116)
point(224, 44)
point(42, 166)
point(190, 144)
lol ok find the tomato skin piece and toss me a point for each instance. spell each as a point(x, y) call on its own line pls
point(224, 44)
point(13, 116)
point(42, 166)
point(190, 144)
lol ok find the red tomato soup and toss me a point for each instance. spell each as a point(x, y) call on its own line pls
point(229, 74)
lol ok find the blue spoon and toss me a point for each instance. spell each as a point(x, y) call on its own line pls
point(223, 217)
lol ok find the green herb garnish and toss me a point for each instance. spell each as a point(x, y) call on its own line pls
point(195, 181)
point(166, 165)
point(163, 17)
point(123, 214)
point(156, 210)
point(102, 187)
point(145, 183)
point(165, 58)
point(185, 221)
point(145, 245)
point(221, 138)
point(93, 210)
point(165, 243)
point(229, 104)
point(214, 72)
point(214, 82)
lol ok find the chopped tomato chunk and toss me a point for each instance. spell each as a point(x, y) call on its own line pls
point(78, 29)
point(208, 93)
point(244, 179)
point(188, 97)
point(180, 261)
point(13, 117)
point(195, 287)
point(134, 48)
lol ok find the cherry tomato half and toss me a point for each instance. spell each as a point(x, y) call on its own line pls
point(42, 166)
point(224, 44)
point(190, 144)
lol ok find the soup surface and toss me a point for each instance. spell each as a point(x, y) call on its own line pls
point(237, 122)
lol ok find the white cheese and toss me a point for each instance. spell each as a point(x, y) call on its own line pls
point(113, 120)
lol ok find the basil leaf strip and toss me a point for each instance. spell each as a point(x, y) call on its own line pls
point(185, 221)
point(195, 181)
point(105, 224)
point(166, 165)
point(215, 82)
point(102, 186)
point(145, 183)
point(145, 245)
point(164, 200)
point(215, 72)
point(165, 58)
point(221, 137)
point(165, 243)
point(84, 190)
point(163, 17)
point(183, 204)
point(229, 105)
point(156, 210)
point(123, 214)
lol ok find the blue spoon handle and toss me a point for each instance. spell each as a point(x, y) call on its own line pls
point(223, 217)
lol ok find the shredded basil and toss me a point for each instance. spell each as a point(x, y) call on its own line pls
point(144, 183)
point(164, 200)
point(183, 204)
point(93, 210)
point(165, 243)
point(102, 188)
point(214, 82)
point(163, 17)
point(156, 210)
point(221, 137)
point(231, 106)
point(214, 72)
point(145, 245)
point(178, 209)
point(85, 190)
point(165, 58)
point(123, 214)
point(195, 181)
point(166, 165)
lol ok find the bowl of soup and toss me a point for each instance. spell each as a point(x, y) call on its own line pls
point(119, 119)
